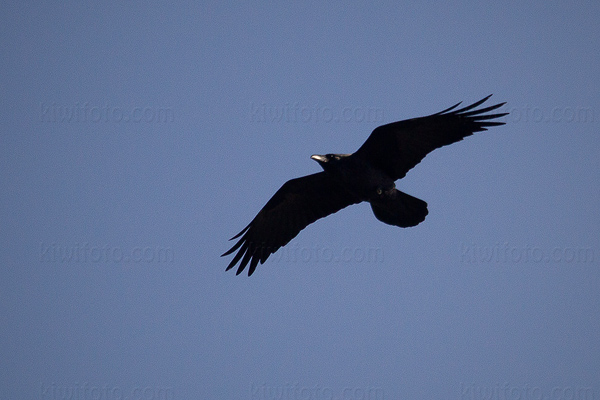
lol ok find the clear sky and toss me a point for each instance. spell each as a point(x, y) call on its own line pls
point(138, 137)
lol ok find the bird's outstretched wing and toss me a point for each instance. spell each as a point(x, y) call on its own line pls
point(298, 203)
point(397, 147)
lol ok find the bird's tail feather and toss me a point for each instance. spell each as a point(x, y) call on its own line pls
point(399, 209)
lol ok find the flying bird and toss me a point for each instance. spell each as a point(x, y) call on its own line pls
point(366, 175)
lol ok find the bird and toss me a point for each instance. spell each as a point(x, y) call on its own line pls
point(369, 174)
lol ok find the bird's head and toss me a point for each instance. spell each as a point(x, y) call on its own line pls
point(328, 160)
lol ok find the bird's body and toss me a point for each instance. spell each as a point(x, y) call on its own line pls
point(369, 175)
point(360, 177)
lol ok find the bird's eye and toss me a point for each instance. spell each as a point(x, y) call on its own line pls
point(379, 191)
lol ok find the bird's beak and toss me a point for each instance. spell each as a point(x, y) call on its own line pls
point(318, 158)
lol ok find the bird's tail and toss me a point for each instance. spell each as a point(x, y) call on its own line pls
point(399, 209)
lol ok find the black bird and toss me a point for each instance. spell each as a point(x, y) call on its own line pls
point(367, 175)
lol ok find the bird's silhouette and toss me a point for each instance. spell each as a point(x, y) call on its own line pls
point(366, 175)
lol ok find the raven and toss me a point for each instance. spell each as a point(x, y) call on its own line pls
point(366, 175)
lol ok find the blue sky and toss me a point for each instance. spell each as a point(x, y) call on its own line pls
point(137, 137)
